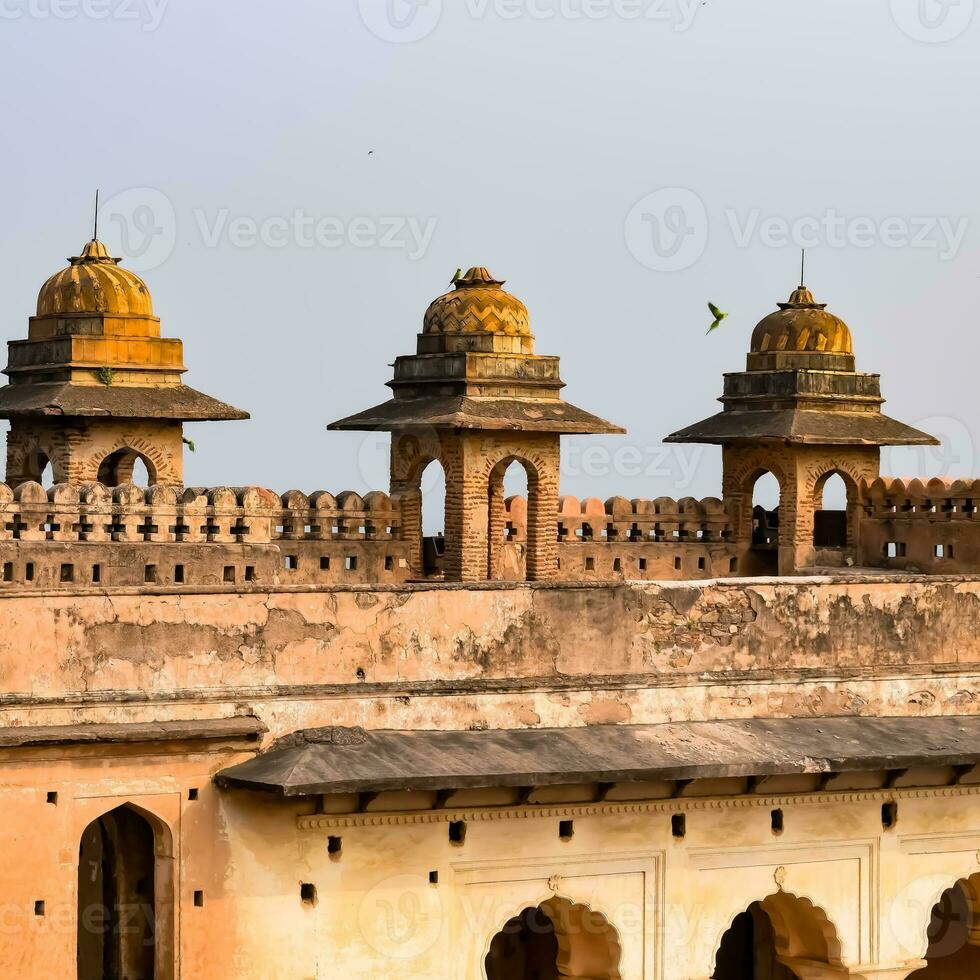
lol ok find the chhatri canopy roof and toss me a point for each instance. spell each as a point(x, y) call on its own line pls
point(94, 349)
point(475, 368)
point(800, 387)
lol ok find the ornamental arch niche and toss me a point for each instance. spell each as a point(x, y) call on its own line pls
point(553, 941)
point(953, 934)
point(783, 937)
point(125, 901)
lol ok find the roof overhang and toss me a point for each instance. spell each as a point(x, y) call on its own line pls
point(341, 760)
point(803, 427)
point(174, 402)
point(465, 412)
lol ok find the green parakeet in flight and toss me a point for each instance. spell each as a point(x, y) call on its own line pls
point(718, 315)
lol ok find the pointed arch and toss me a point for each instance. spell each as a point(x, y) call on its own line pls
point(126, 895)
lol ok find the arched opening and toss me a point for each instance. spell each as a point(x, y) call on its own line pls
point(432, 500)
point(126, 466)
point(831, 500)
point(554, 940)
point(37, 467)
point(125, 899)
point(783, 937)
point(509, 505)
point(525, 949)
point(954, 937)
point(748, 949)
point(763, 558)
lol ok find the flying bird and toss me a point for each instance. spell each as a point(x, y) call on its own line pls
point(718, 315)
point(189, 443)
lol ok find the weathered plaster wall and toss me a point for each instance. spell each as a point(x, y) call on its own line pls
point(498, 655)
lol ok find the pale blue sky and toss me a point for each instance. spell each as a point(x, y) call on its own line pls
point(522, 135)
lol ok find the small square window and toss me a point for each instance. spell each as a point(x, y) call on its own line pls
point(149, 573)
point(677, 562)
point(52, 798)
point(96, 574)
point(199, 899)
point(335, 846)
point(702, 562)
point(389, 563)
point(249, 573)
point(643, 564)
point(324, 563)
point(193, 794)
point(39, 908)
point(179, 574)
point(29, 571)
point(678, 825)
point(350, 563)
point(566, 829)
point(307, 893)
point(229, 574)
point(433, 877)
point(457, 832)
point(292, 563)
point(8, 571)
point(590, 564)
point(617, 565)
point(733, 565)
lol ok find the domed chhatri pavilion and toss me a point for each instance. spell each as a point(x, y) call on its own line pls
point(95, 387)
point(476, 398)
point(801, 411)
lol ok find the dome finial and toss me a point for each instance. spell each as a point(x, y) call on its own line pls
point(95, 222)
point(802, 267)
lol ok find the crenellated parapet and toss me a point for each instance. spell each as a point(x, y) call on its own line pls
point(921, 525)
point(654, 539)
point(129, 535)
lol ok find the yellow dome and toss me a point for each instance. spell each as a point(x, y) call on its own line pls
point(94, 283)
point(478, 304)
point(802, 325)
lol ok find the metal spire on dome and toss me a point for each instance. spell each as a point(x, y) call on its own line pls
point(95, 223)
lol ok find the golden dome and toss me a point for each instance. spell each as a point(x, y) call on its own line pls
point(802, 325)
point(94, 283)
point(478, 304)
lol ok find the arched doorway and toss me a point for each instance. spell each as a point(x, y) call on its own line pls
point(832, 500)
point(783, 937)
point(763, 557)
point(506, 558)
point(432, 501)
point(125, 898)
point(954, 936)
point(126, 466)
point(554, 940)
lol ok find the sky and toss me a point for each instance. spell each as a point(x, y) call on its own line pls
point(297, 181)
